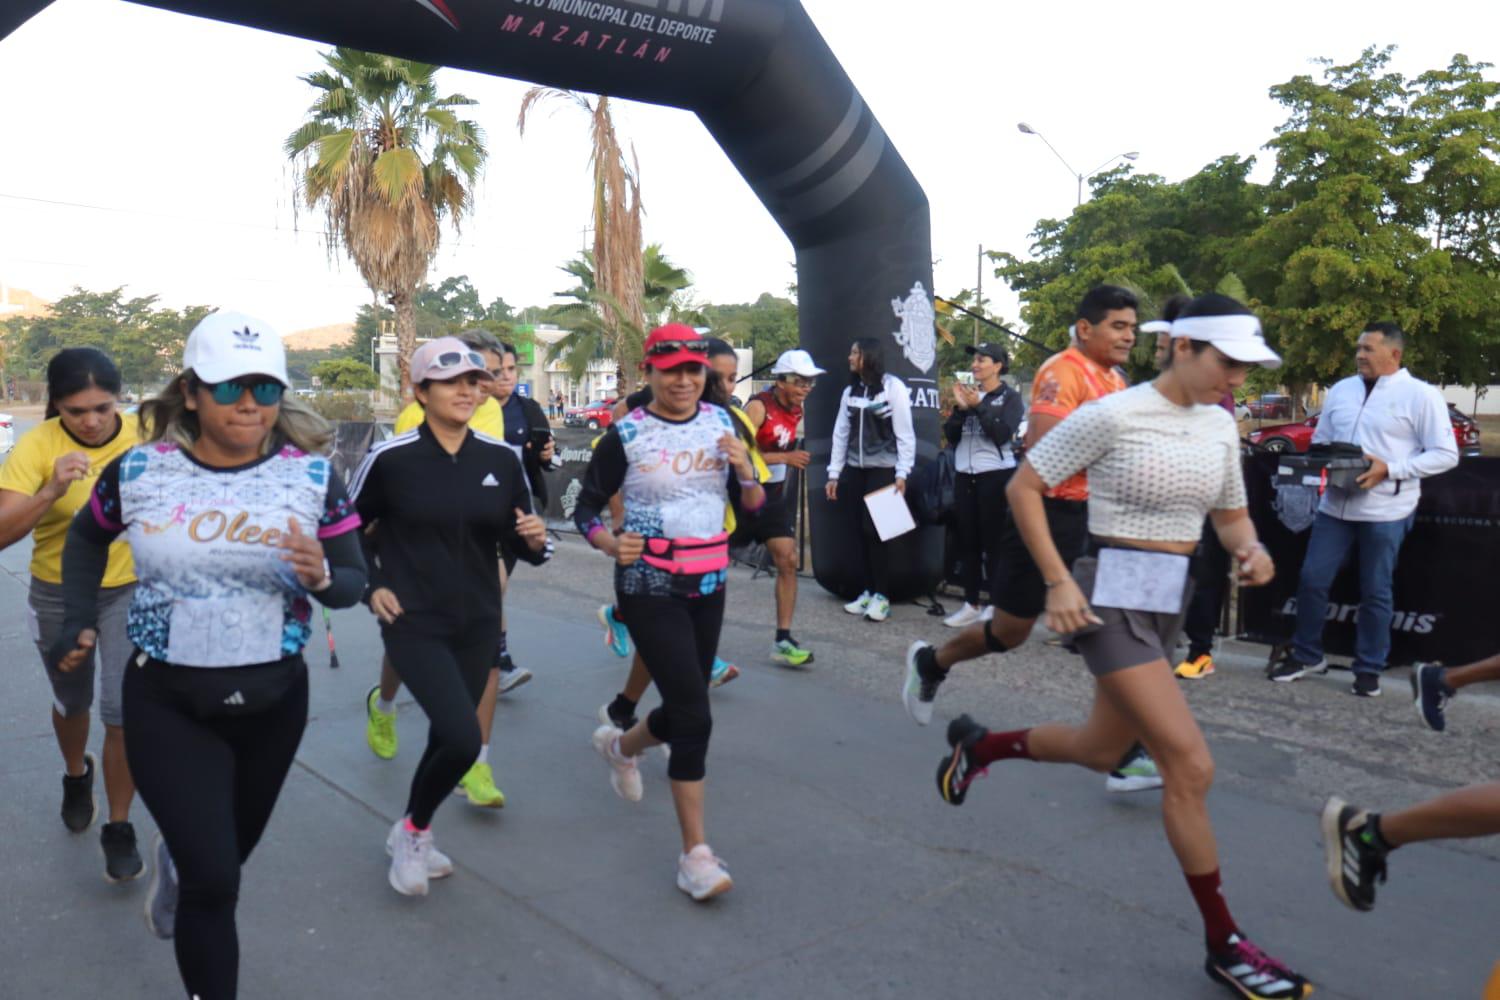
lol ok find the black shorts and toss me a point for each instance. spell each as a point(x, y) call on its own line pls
point(1018, 588)
point(777, 519)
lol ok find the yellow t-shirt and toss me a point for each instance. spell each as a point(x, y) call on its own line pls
point(488, 419)
point(29, 468)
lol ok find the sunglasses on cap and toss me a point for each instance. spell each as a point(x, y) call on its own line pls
point(265, 392)
point(673, 346)
point(450, 358)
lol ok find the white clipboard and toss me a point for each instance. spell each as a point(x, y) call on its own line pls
point(889, 512)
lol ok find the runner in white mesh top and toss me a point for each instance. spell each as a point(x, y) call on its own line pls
point(1159, 458)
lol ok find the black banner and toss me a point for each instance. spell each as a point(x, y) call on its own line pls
point(1444, 595)
point(575, 446)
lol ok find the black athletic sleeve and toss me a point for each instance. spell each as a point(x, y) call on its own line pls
point(367, 493)
point(520, 499)
point(953, 427)
point(338, 530)
point(602, 480)
point(1000, 423)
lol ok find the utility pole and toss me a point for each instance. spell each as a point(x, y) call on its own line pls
point(979, 292)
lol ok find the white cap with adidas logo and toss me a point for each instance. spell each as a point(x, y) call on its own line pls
point(227, 345)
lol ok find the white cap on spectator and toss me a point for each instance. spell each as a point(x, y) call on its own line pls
point(796, 362)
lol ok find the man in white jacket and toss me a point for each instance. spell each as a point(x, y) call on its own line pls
point(1402, 425)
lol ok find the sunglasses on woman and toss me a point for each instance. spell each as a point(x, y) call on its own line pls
point(673, 346)
point(265, 392)
point(450, 358)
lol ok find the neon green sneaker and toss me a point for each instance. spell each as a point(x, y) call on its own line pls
point(479, 786)
point(380, 728)
point(789, 654)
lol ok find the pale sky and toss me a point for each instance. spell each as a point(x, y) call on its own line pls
point(172, 127)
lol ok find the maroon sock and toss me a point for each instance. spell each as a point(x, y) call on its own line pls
point(1002, 746)
point(1217, 923)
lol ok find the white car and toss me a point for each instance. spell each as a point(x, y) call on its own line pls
point(7, 433)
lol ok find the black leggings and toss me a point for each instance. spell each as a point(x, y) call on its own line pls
point(854, 483)
point(210, 781)
point(678, 638)
point(446, 676)
point(980, 508)
point(1211, 579)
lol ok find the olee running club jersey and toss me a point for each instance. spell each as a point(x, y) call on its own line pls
point(214, 589)
point(673, 478)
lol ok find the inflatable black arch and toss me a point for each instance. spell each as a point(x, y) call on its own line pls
point(771, 92)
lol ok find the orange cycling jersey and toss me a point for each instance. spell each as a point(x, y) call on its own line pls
point(1065, 382)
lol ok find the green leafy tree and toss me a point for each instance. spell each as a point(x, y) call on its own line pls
point(341, 374)
point(1372, 216)
point(386, 158)
point(144, 341)
point(768, 326)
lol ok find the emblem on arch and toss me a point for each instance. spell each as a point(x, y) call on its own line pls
point(918, 333)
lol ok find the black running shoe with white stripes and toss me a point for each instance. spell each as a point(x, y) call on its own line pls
point(1356, 860)
point(956, 770)
point(1251, 973)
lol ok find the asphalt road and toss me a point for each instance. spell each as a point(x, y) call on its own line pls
point(853, 879)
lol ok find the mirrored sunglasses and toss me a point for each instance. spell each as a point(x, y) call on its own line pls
point(267, 392)
point(673, 346)
point(450, 358)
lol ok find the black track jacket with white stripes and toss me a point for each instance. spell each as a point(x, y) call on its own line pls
point(439, 521)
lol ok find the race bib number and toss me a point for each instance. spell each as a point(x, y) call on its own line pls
point(225, 632)
point(1132, 580)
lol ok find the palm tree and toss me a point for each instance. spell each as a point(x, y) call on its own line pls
point(616, 257)
point(597, 322)
point(387, 159)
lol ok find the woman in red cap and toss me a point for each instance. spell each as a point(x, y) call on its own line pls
point(442, 499)
point(676, 463)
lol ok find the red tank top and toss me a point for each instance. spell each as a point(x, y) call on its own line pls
point(780, 428)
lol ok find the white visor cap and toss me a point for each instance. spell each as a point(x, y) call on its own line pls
point(1238, 336)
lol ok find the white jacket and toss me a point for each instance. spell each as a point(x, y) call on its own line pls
point(874, 429)
point(1404, 422)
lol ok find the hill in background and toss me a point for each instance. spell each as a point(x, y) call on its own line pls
point(320, 338)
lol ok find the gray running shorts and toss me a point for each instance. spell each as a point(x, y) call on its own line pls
point(1127, 638)
point(73, 693)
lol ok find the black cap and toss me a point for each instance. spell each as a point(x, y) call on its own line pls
point(992, 351)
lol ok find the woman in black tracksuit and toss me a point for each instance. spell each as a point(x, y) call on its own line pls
point(443, 501)
point(981, 432)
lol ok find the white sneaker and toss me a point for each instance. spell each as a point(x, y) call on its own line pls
point(513, 678)
point(439, 865)
point(989, 613)
point(966, 615)
point(912, 689)
point(624, 775)
point(859, 604)
point(410, 856)
point(879, 609)
point(701, 875)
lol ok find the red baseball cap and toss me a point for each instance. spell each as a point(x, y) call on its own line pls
point(675, 344)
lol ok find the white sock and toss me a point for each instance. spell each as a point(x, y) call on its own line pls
point(384, 707)
point(484, 754)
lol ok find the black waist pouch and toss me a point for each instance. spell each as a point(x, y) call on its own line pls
point(223, 692)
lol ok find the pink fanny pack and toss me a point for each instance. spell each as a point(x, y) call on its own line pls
point(688, 556)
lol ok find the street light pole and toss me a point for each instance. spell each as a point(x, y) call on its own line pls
point(1028, 130)
point(979, 292)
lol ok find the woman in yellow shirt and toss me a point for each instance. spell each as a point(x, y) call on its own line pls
point(49, 475)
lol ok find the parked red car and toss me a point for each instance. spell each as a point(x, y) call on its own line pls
point(594, 416)
point(1298, 436)
point(1271, 405)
